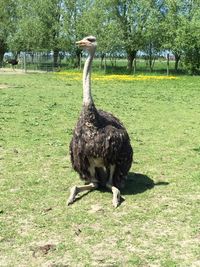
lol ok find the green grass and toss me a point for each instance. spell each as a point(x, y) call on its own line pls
point(158, 224)
point(120, 66)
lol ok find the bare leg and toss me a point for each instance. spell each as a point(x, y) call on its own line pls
point(115, 190)
point(77, 189)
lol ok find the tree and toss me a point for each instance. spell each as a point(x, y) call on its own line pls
point(132, 17)
point(153, 32)
point(174, 28)
point(191, 44)
point(7, 24)
point(74, 10)
point(102, 25)
point(180, 20)
point(43, 30)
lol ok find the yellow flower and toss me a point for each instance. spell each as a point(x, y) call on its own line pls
point(78, 76)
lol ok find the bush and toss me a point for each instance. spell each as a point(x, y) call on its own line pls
point(192, 60)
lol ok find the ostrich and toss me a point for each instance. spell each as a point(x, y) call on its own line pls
point(12, 62)
point(100, 148)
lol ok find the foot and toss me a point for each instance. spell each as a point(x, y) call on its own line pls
point(73, 193)
point(116, 198)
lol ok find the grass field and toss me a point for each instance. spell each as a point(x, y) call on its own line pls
point(158, 224)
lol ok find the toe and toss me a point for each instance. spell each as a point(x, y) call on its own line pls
point(116, 200)
point(73, 193)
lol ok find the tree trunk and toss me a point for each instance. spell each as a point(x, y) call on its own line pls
point(150, 56)
point(167, 64)
point(134, 66)
point(2, 52)
point(78, 58)
point(105, 64)
point(131, 55)
point(32, 57)
point(1, 58)
point(55, 57)
point(102, 58)
point(177, 59)
point(150, 63)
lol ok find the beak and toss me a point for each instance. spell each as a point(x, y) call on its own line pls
point(83, 43)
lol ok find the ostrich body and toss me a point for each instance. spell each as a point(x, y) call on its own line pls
point(100, 148)
point(12, 62)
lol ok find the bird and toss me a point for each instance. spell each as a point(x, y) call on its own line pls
point(100, 149)
point(12, 62)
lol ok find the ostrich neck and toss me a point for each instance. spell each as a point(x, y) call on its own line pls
point(87, 95)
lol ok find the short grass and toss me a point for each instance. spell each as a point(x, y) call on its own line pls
point(158, 224)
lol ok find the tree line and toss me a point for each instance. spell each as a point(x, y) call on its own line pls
point(121, 26)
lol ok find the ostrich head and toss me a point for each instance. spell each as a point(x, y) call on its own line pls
point(88, 43)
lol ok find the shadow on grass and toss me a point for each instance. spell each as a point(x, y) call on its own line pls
point(197, 150)
point(138, 183)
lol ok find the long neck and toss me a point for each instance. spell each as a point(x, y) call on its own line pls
point(87, 95)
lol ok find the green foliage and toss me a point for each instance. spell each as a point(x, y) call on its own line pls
point(122, 27)
point(182, 24)
point(7, 24)
point(42, 30)
point(133, 17)
point(98, 21)
point(192, 44)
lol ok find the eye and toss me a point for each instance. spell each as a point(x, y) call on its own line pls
point(90, 39)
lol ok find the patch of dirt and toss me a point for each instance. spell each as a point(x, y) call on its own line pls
point(11, 71)
point(47, 209)
point(3, 86)
point(101, 255)
point(57, 264)
point(18, 71)
point(95, 208)
point(43, 250)
point(6, 86)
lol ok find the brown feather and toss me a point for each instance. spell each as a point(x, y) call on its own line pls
point(99, 134)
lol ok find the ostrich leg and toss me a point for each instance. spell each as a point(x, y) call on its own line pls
point(77, 189)
point(81, 188)
point(115, 190)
